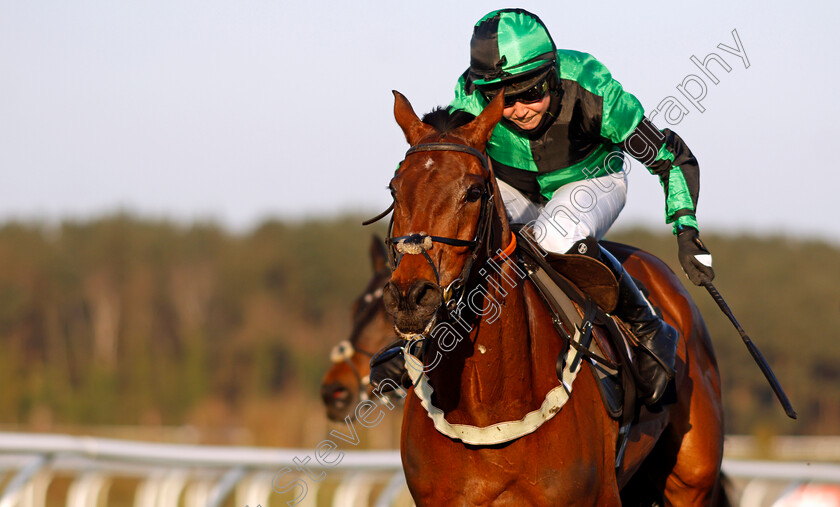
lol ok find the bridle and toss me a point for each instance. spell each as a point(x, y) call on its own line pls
point(419, 243)
point(344, 350)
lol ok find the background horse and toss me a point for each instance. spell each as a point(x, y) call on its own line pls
point(497, 364)
point(346, 382)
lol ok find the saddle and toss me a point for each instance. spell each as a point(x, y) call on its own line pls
point(569, 279)
point(591, 277)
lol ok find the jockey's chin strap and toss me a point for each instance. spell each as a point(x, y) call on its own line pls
point(420, 243)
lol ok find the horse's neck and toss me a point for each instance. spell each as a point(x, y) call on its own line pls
point(499, 372)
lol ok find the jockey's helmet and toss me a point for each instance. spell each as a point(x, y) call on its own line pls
point(511, 48)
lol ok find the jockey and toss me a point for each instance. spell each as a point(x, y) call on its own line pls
point(558, 155)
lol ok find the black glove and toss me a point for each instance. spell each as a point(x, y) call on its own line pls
point(695, 258)
point(388, 363)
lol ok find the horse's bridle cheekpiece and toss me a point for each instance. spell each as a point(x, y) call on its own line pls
point(420, 243)
point(343, 351)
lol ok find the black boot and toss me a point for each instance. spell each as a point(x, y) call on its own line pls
point(657, 339)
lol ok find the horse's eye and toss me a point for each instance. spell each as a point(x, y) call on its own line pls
point(474, 194)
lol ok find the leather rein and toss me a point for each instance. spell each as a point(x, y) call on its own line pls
point(419, 243)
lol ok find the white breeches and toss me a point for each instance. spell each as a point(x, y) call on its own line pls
point(576, 210)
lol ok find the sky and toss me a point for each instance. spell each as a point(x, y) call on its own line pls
point(254, 109)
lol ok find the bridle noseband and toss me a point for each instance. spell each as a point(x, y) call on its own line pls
point(419, 243)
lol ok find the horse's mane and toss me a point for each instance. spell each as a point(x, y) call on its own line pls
point(446, 118)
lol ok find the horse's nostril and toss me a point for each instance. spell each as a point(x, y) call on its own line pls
point(412, 309)
point(391, 297)
point(425, 295)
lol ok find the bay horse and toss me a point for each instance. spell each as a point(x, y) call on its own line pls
point(346, 382)
point(490, 369)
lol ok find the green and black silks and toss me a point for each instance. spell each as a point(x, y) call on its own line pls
point(586, 135)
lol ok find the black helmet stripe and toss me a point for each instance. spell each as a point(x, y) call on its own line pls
point(485, 60)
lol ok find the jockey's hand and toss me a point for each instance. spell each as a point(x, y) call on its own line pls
point(695, 258)
point(388, 364)
point(394, 370)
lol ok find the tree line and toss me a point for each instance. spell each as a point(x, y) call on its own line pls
point(129, 321)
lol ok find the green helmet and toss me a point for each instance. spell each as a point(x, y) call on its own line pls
point(509, 45)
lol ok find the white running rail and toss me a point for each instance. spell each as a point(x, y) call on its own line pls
point(195, 475)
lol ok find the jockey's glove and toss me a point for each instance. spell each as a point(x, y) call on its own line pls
point(695, 259)
point(388, 364)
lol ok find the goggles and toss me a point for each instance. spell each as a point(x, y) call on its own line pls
point(527, 96)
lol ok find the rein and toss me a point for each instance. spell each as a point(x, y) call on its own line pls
point(420, 243)
point(453, 294)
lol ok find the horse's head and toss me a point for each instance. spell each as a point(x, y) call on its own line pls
point(443, 212)
point(346, 383)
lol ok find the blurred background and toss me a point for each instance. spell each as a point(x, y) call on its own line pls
point(183, 184)
point(147, 326)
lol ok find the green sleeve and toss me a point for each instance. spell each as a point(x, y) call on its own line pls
point(622, 112)
point(621, 117)
point(611, 112)
point(666, 155)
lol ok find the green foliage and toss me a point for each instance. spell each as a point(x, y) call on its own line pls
point(128, 321)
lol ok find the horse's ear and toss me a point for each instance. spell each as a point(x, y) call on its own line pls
point(378, 257)
point(477, 132)
point(412, 127)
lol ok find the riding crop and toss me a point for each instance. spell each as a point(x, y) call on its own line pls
point(756, 354)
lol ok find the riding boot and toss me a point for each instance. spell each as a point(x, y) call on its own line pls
point(657, 349)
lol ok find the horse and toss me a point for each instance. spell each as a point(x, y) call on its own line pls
point(488, 352)
point(346, 382)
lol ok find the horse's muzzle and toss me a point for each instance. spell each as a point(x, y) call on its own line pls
point(413, 307)
point(339, 400)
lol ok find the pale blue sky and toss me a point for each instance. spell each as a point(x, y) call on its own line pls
point(237, 111)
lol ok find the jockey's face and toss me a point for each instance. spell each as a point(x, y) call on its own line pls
point(527, 116)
